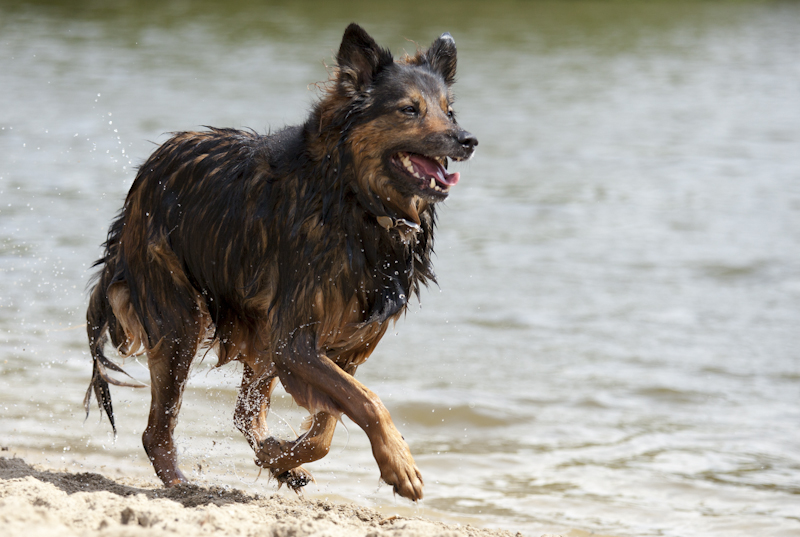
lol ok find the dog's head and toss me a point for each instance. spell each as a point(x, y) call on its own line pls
point(399, 120)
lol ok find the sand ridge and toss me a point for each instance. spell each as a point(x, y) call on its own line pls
point(36, 501)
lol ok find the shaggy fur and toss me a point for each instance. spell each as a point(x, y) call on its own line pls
point(290, 252)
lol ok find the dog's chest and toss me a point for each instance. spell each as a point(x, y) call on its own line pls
point(354, 313)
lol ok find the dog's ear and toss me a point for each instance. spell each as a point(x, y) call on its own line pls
point(442, 57)
point(360, 59)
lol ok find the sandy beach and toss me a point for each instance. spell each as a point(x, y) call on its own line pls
point(39, 501)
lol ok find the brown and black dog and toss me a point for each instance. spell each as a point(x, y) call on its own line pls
point(290, 252)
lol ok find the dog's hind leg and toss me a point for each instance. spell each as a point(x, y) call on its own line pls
point(169, 362)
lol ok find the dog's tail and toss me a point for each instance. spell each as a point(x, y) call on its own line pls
point(99, 320)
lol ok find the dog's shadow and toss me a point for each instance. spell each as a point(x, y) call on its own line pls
point(187, 495)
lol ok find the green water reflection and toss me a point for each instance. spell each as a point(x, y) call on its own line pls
point(604, 26)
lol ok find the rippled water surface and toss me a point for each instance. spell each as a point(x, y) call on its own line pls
point(615, 343)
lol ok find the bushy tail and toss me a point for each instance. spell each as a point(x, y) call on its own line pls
point(99, 318)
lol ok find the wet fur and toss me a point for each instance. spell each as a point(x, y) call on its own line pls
point(290, 252)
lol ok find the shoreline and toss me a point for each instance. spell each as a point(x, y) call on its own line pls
point(37, 500)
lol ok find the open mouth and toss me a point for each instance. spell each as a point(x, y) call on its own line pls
point(430, 172)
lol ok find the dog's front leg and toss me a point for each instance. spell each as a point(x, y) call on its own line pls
point(314, 380)
point(252, 404)
point(283, 458)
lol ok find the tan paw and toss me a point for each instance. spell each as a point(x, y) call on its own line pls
point(407, 483)
point(398, 468)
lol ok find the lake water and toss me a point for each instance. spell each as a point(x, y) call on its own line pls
point(615, 343)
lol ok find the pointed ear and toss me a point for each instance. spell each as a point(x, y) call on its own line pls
point(360, 59)
point(442, 57)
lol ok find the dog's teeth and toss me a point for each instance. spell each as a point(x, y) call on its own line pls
point(433, 183)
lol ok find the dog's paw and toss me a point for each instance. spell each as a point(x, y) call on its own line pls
point(398, 468)
point(295, 479)
point(176, 482)
point(407, 482)
point(273, 454)
point(272, 450)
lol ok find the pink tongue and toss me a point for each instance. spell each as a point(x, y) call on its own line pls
point(431, 168)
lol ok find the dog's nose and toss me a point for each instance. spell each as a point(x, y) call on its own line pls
point(467, 140)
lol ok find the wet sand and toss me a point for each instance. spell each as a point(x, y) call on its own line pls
point(39, 501)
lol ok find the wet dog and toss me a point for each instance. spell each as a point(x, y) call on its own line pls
point(290, 252)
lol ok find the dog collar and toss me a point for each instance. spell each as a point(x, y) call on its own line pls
point(406, 228)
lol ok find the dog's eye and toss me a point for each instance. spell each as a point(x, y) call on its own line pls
point(451, 115)
point(409, 111)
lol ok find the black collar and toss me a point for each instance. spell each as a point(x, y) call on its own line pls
point(405, 228)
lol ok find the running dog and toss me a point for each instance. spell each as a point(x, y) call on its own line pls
point(290, 252)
